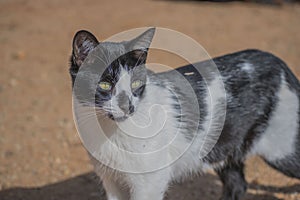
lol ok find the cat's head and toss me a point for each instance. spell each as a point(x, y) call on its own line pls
point(118, 80)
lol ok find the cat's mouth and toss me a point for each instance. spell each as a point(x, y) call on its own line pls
point(118, 118)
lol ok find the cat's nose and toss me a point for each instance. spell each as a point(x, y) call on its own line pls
point(125, 103)
point(127, 108)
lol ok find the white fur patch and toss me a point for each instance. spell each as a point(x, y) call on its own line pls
point(205, 139)
point(247, 67)
point(216, 104)
point(279, 138)
point(189, 73)
point(123, 83)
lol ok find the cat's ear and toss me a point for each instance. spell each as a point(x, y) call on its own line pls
point(139, 46)
point(83, 43)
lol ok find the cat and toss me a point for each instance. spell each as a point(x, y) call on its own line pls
point(261, 118)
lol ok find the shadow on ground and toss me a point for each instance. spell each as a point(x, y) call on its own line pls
point(263, 2)
point(87, 187)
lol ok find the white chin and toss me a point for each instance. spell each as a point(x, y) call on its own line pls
point(119, 117)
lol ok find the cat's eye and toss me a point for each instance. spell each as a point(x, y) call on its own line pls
point(105, 86)
point(137, 83)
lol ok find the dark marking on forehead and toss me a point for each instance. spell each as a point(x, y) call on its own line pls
point(112, 73)
point(130, 60)
point(139, 73)
point(135, 66)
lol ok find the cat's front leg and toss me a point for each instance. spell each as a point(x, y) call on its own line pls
point(150, 186)
point(114, 191)
point(233, 179)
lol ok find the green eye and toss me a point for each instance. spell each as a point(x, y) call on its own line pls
point(137, 83)
point(105, 86)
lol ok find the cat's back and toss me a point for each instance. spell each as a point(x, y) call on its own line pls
point(241, 72)
point(252, 80)
point(258, 86)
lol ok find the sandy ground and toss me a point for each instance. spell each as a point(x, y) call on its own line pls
point(41, 156)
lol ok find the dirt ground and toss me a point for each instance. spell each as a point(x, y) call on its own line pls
point(41, 156)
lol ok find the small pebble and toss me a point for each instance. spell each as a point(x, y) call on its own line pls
point(13, 82)
point(8, 154)
point(20, 55)
point(57, 160)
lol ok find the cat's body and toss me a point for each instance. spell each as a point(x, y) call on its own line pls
point(262, 117)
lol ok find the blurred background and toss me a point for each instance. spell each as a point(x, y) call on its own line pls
point(41, 156)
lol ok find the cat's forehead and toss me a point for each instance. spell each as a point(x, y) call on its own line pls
point(109, 54)
point(115, 49)
point(111, 57)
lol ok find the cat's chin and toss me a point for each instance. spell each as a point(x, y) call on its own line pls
point(118, 119)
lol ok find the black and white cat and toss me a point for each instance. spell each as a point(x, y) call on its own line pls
point(262, 116)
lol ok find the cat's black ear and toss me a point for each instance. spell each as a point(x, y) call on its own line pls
point(139, 46)
point(83, 43)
